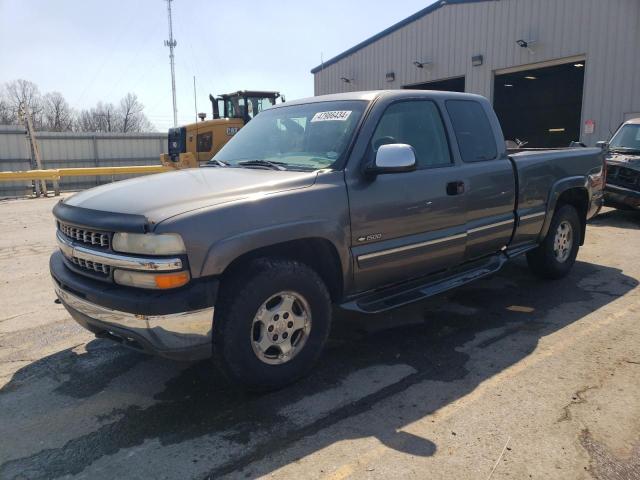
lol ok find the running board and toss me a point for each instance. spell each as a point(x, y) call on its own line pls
point(399, 295)
point(517, 251)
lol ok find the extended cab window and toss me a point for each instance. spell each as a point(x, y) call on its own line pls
point(416, 123)
point(473, 131)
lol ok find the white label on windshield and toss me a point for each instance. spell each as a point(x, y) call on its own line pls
point(340, 115)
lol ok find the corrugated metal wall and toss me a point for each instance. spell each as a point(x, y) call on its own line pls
point(60, 150)
point(604, 32)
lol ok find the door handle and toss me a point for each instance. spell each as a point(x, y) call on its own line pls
point(455, 188)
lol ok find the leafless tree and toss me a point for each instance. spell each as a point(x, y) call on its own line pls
point(130, 116)
point(7, 116)
point(25, 94)
point(52, 111)
point(102, 118)
point(58, 115)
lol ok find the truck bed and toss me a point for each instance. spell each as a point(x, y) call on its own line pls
point(552, 170)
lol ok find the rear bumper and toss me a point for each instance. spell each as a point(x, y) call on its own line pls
point(620, 197)
point(175, 324)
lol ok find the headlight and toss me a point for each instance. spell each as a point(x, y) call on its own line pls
point(148, 243)
point(156, 281)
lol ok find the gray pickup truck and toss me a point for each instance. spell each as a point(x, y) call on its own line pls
point(368, 201)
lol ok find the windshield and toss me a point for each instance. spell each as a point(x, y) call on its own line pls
point(626, 139)
point(313, 136)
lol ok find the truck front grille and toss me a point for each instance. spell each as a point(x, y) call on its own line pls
point(89, 237)
point(100, 268)
point(623, 177)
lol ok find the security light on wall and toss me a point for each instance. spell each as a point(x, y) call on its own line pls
point(528, 44)
point(422, 64)
point(346, 80)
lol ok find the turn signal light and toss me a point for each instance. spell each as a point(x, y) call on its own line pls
point(172, 280)
point(154, 281)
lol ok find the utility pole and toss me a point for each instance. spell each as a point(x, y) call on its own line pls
point(25, 116)
point(171, 43)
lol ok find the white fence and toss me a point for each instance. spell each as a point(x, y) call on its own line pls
point(72, 150)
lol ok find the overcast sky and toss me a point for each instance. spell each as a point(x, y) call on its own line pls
point(92, 50)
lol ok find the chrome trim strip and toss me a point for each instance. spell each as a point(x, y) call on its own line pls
point(491, 225)
point(410, 247)
point(533, 215)
point(165, 332)
point(71, 249)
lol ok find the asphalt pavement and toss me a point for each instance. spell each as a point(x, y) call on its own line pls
point(509, 377)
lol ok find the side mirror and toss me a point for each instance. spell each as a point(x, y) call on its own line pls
point(602, 145)
point(394, 158)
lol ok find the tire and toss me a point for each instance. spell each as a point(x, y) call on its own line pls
point(285, 296)
point(555, 256)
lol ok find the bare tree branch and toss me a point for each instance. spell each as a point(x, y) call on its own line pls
point(25, 93)
point(131, 117)
point(52, 111)
point(58, 116)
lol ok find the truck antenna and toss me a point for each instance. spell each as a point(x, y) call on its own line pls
point(195, 99)
point(171, 43)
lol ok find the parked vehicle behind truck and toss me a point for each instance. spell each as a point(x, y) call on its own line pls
point(623, 167)
point(367, 200)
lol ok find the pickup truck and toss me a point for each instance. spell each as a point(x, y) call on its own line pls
point(622, 190)
point(366, 201)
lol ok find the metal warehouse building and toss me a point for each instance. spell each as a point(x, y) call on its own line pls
point(555, 70)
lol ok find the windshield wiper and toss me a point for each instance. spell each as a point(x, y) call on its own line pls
point(263, 163)
point(216, 163)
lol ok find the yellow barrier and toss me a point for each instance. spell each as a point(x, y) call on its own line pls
point(29, 175)
point(54, 174)
point(76, 172)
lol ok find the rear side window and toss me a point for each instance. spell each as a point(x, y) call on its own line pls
point(416, 123)
point(473, 130)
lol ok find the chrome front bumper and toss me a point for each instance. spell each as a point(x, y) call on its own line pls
point(184, 335)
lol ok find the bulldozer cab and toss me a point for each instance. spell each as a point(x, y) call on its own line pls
point(243, 104)
point(197, 142)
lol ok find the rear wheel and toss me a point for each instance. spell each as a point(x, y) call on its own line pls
point(558, 251)
point(274, 321)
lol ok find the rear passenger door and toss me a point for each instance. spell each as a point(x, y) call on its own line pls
point(489, 179)
point(407, 224)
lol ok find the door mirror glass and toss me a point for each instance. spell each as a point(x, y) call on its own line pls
point(602, 145)
point(393, 158)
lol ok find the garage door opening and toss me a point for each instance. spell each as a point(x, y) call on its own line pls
point(456, 84)
point(541, 106)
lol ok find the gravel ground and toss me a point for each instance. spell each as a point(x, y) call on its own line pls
point(510, 377)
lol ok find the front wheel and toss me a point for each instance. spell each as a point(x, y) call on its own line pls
point(557, 253)
point(274, 321)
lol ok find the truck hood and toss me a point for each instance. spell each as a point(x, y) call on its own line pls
point(625, 160)
point(163, 195)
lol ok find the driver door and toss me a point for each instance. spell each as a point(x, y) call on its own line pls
point(410, 224)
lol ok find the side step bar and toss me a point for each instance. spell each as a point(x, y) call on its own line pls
point(398, 295)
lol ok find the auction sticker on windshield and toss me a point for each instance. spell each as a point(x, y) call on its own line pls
point(340, 115)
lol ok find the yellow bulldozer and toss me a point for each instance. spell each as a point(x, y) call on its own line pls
point(197, 142)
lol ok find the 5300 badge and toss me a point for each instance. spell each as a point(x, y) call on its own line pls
point(370, 238)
